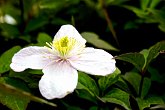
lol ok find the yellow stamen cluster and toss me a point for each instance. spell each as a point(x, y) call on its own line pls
point(65, 44)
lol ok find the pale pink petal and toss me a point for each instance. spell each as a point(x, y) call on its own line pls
point(59, 79)
point(31, 57)
point(94, 61)
point(69, 31)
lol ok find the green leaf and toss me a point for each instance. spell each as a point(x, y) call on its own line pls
point(122, 85)
point(155, 76)
point(94, 108)
point(145, 103)
point(115, 2)
point(43, 38)
point(9, 31)
point(28, 76)
point(145, 87)
point(87, 87)
point(5, 59)
point(144, 4)
point(158, 16)
point(85, 94)
point(136, 59)
point(7, 97)
point(161, 107)
point(36, 23)
point(106, 81)
point(139, 12)
point(130, 25)
point(145, 53)
point(57, 5)
point(96, 41)
point(154, 52)
point(154, 3)
point(15, 95)
point(162, 27)
point(87, 83)
point(117, 96)
point(134, 79)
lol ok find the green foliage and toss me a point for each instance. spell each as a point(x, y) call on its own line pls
point(94, 40)
point(154, 52)
point(149, 12)
point(87, 83)
point(145, 103)
point(107, 81)
point(35, 24)
point(136, 59)
point(5, 59)
point(9, 31)
point(134, 79)
point(43, 38)
point(143, 59)
point(15, 95)
point(118, 96)
point(9, 98)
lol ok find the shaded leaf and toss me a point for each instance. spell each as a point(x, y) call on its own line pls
point(134, 79)
point(154, 52)
point(145, 4)
point(43, 38)
point(115, 2)
point(136, 59)
point(106, 81)
point(154, 3)
point(122, 84)
point(118, 96)
point(5, 59)
point(145, 103)
point(57, 4)
point(10, 31)
point(30, 78)
point(96, 41)
point(161, 106)
point(145, 87)
point(139, 12)
point(162, 27)
point(34, 24)
point(155, 76)
point(8, 97)
point(15, 95)
point(85, 94)
point(87, 83)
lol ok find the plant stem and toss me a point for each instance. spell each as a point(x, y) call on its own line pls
point(22, 27)
point(141, 84)
point(109, 22)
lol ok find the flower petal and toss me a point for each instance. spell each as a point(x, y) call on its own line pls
point(59, 79)
point(94, 61)
point(70, 31)
point(31, 57)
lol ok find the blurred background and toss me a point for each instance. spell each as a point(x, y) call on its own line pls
point(118, 26)
point(128, 25)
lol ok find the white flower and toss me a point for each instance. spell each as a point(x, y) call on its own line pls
point(60, 61)
point(7, 19)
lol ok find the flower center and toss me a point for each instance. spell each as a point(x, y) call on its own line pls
point(64, 45)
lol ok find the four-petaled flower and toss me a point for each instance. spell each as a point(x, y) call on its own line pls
point(60, 61)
